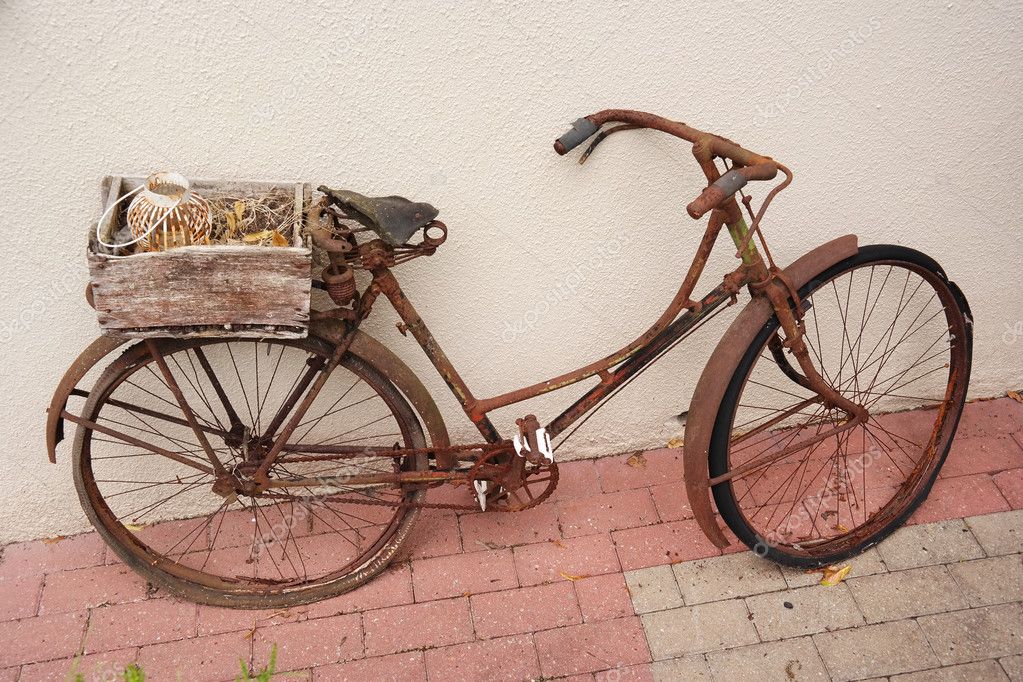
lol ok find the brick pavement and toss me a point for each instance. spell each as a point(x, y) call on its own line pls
point(610, 580)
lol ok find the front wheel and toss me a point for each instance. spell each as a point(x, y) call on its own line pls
point(887, 330)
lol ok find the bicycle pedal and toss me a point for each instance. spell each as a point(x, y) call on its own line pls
point(533, 442)
point(481, 493)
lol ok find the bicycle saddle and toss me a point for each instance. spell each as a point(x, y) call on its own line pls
point(394, 219)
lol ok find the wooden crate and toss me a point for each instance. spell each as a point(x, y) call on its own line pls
point(217, 290)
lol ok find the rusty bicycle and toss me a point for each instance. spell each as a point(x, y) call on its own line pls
point(265, 472)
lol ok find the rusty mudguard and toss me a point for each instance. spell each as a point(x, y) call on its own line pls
point(719, 370)
point(364, 346)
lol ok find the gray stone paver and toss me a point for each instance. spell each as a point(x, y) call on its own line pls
point(733, 575)
point(698, 629)
point(981, 671)
point(929, 544)
point(999, 533)
point(687, 668)
point(803, 611)
point(939, 601)
point(653, 589)
point(1013, 667)
point(986, 582)
point(791, 659)
point(904, 594)
point(868, 563)
point(975, 634)
point(873, 650)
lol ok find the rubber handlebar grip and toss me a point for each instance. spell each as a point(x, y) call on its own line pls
point(724, 187)
point(580, 130)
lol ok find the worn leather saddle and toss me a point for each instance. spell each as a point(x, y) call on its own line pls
point(394, 219)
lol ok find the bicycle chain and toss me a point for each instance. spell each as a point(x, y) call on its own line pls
point(553, 483)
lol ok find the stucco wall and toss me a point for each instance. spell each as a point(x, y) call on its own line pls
point(901, 123)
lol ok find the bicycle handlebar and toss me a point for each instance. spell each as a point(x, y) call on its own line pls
point(751, 166)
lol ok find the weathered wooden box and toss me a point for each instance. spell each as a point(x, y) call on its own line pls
point(216, 290)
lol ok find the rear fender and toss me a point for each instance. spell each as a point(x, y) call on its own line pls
point(364, 346)
point(96, 351)
point(390, 365)
point(718, 373)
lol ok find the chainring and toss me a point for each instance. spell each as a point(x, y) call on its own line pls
point(538, 483)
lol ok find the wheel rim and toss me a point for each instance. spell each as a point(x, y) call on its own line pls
point(164, 514)
point(888, 335)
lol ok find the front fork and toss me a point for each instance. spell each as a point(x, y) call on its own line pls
point(784, 299)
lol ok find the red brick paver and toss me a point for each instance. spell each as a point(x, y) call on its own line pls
point(405, 667)
point(115, 627)
point(403, 628)
point(564, 559)
point(591, 647)
point(515, 611)
point(473, 596)
point(507, 658)
point(463, 574)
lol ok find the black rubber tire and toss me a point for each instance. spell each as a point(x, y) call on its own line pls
point(718, 455)
point(134, 557)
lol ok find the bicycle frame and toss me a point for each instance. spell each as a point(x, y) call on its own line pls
point(619, 367)
point(613, 370)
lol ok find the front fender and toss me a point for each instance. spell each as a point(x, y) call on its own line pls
point(718, 373)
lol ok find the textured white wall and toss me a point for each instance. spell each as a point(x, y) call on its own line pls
point(901, 123)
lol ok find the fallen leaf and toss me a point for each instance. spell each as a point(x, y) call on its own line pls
point(841, 528)
point(54, 540)
point(134, 527)
point(637, 461)
point(232, 224)
point(239, 209)
point(1015, 395)
point(279, 614)
point(559, 544)
point(675, 442)
point(277, 239)
point(835, 574)
point(569, 576)
point(489, 545)
point(257, 237)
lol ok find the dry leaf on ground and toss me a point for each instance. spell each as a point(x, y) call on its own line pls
point(637, 461)
point(833, 575)
point(1015, 395)
point(675, 442)
point(569, 576)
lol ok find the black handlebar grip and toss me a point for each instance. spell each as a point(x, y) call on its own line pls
point(581, 130)
point(724, 187)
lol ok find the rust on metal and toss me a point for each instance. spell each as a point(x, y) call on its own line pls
point(718, 372)
point(515, 482)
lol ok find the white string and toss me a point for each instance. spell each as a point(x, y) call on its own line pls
point(99, 225)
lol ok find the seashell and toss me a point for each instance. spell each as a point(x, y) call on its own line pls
point(168, 213)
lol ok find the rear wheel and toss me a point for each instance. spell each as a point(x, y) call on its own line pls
point(146, 491)
point(887, 330)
